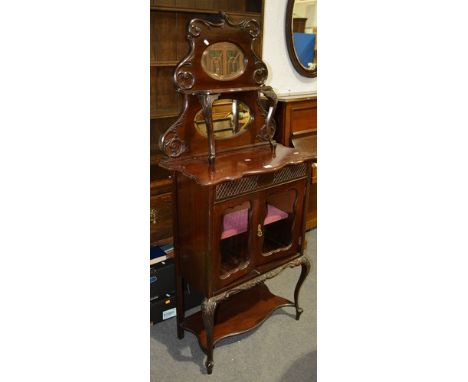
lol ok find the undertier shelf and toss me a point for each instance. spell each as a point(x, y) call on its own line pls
point(239, 313)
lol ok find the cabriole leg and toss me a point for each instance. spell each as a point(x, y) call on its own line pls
point(305, 268)
point(208, 308)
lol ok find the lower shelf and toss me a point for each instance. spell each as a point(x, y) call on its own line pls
point(240, 313)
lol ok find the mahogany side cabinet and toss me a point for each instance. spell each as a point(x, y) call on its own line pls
point(296, 117)
point(239, 198)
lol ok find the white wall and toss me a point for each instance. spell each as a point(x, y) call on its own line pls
point(281, 74)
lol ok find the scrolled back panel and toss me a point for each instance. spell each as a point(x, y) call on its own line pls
point(202, 35)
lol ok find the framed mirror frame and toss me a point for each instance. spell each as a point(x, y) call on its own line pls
point(290, 44)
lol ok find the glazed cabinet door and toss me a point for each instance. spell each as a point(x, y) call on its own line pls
point(233, 244)
point(281, 222)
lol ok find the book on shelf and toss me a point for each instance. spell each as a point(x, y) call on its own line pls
point(161, 253)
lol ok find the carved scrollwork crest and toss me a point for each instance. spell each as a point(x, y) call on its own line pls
point(252, 27)
point(185, 76)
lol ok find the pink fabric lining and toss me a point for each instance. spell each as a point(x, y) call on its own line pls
point(235, 223)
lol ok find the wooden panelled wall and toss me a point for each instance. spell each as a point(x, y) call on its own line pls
point(168, 45)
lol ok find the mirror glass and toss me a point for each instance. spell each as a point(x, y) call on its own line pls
point(223, 61)
point(230, 118)
point(304, 32)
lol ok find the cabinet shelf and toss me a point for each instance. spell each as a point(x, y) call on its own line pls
point(240, 313)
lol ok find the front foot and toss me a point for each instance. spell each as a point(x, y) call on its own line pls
point(305, 268)
point(209, 366)
point(298, 313)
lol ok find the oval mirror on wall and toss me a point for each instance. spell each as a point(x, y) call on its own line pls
point(301, 35)
point(230, 118)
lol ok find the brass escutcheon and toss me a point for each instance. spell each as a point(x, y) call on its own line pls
point(259, 231)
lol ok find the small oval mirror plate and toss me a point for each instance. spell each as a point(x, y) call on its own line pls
point(223, 61)
point(230, 118)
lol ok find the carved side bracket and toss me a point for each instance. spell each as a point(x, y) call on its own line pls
point(170, 143)
point(268, 129)
point(206, 100)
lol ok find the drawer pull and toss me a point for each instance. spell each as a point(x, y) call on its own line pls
point(259, 231)
point(154, 216)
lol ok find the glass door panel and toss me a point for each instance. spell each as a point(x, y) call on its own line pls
point(279, 220)
point(234, 243)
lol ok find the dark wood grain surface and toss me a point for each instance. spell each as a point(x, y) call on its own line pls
point(237, 163)
point(297, 127)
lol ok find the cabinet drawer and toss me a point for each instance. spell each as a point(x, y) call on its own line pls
point(303, 116)
point(161, 218)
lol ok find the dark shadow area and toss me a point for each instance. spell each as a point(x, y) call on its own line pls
point(166, 334)
point(304, 369)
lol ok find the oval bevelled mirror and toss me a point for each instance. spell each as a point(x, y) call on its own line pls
point(223, 61)
point(230, 118)
point(301, 35)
